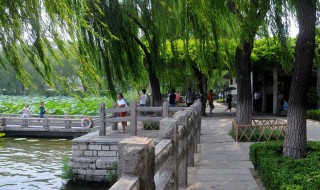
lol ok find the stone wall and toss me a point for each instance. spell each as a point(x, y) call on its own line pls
point(92, 158)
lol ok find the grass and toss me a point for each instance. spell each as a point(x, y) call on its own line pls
point(67, 172)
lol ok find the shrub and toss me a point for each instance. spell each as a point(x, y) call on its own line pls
point(112, 173)
point(313, 114)
point(284, 173)
point(256, 135)
point(221, 100)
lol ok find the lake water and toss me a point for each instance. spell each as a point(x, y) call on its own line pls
point(33, 164)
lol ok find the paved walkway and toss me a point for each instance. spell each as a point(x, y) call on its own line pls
point(222, 163)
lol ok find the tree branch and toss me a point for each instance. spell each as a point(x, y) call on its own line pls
point(141, 26)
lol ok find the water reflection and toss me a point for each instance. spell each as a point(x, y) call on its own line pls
point(33, 164)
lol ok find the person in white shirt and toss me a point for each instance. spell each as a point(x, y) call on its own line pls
point(121, 103)
point(26, 111)
point(143, 100)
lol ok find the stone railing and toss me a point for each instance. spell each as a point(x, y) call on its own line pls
point(144, 165)
point(65, 121)
point(108, 116)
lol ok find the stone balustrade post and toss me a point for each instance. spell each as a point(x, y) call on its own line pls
point(67, 123)
point(45, 122)
point(169, 130)
point(133, 118)
point(3, 121)
point(102, 118)
point(137, 157)
point(25, 122)
point(165, 109)
point(183, 120)
point(114, 125)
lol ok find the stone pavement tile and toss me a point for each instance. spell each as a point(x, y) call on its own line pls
point(209, 145)
point(241, 164)
point(209, 161)
point(215, 139)
point(227, 171)
point(212, 150)
point(235, 152)
point(246, 145)
point(223, 178)
point(244, 157)
point(215, 156)
point(234, 185)
point(213, 166)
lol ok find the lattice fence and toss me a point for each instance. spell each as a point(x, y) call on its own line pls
point(260, 130)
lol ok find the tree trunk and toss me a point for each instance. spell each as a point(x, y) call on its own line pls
point(275, 91)
point(295, 143)
point(264, 95)
point(243, 69)
point(318, 85)
point(155, 87)
point(202, 86)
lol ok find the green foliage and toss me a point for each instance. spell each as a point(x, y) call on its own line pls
point(2, 135)
point(312, 100)
point(279, 172)
point(221, 100)
point(58, 105)
point(67, 172)
point(313, 114)
point(112, 172)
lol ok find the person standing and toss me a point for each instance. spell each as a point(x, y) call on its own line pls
point(42, 110)
point(257, 97)
point(121, 103)
point(229, 101)
point(143, 100)
point(26, 111)
point(177, 97)
point(189, 97)
point(210, 98)
point(172, 98)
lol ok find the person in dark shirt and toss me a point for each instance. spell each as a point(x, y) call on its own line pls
point(172, 98)
point(229, 100)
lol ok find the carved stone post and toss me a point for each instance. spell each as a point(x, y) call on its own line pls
point(102, 117)
point(169, 130)
point(165, 109)
point(133, 118)
point(137, 157)
point(182, 120)
point(115, 124)
point(67, 122)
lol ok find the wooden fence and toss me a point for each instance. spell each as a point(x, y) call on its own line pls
point(143, 166)
point(260, 130)
point(108, 116)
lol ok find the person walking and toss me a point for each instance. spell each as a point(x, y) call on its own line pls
point(210, 99)
point(42, 110)
point(26, 111)
point(143, 100)
point(229, 101)
point(177, 97)
point(121, 103)
point(172, 98)
point(189, 97)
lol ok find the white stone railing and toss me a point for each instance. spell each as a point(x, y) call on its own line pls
point(133, 118)
point(142, 165)
point(65, 121)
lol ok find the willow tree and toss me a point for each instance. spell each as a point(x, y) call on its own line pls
point(207, 24)
point(295, 143)
point(250, 15)
point(36, 29)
